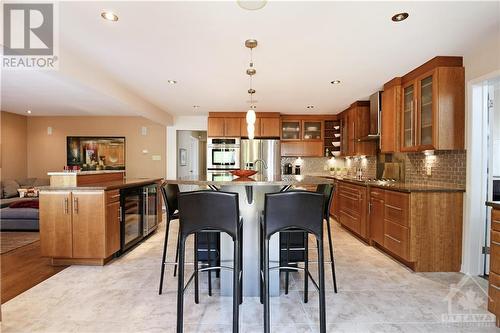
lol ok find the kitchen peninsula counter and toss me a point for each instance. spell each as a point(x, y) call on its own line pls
point(105, 186)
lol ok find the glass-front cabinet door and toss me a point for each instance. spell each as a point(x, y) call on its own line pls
point(408, 127)
point(312, 130)
point(290, 130)
point(425, 109)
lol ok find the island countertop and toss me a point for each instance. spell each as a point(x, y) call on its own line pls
point(105, 186)
point(256, 180)
point(493, 204)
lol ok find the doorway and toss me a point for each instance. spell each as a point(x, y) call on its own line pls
point(191, 155)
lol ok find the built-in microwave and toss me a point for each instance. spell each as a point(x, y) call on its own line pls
point(223, 153)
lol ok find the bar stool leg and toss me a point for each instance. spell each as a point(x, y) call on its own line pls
point(322, 303)
point(261, 266)
point(177, 253)
point(330, 246)
point(180, 288)
point(287, 272)
point(209, 247)
point(240, 273)
point(306, 267)
point(267, 314)
point(196, 277)
point(164, 257)
point(236, 285)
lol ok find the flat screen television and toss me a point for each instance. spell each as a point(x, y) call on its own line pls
point(95, 153)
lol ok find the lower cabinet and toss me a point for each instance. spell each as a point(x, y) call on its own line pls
point(79, 226)
point(494, 276)
point(421, 229)
point(353, 207)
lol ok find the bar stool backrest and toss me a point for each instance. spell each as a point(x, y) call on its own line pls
point(170, 194)
point(294, 209)
point(208, 210)
point(327, 190)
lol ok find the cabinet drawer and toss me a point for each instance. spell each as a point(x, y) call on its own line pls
point(495, 219)
point(495, 252)
point(349, 203)
point(350, 221)
point(112, 196)
point(377, 193)
point(396, 239)
point(494, 293)
point(396, 207)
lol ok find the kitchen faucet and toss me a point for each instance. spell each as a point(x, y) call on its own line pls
point(262, 161)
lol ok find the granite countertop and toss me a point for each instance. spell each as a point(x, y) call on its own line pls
point(104, 186)
point(96, 172)
point(256, 180)
point(400, 186)
point(494, 204)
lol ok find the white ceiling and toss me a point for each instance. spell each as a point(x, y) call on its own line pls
point(302, 47)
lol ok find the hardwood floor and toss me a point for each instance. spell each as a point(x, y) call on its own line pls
point(23, 268)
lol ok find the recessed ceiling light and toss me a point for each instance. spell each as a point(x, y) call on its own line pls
point(335, 82)
point(310, 106)
point(172, 81)
point(400, 17)
point(196, 106)
point(28, 112)
point(252, 4)
point(109, 16)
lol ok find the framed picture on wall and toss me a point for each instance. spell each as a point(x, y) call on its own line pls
point(182, 157)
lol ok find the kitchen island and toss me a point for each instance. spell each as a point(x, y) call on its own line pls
point(89, 224)
point(251, 193)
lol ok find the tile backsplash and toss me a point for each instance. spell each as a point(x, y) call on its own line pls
point(446, 167)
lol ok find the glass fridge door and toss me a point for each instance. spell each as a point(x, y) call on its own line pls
point(151, 209)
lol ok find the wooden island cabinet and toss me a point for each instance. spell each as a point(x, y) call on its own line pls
point(82, 225)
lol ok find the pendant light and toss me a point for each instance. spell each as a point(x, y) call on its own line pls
point(251, 117)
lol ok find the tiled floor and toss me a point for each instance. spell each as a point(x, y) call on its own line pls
point(376, 294)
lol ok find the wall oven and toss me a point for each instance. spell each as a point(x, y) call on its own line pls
point(223, 153)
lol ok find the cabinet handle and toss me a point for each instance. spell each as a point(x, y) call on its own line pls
point(120, 214)
point(75, 203)
point(66, 206)
point(494, 286)
point(495, 221)
point(394, 239)
point(393, 207)
point(496, 243)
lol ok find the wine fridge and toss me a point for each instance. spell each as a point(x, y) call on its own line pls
point(139, 207)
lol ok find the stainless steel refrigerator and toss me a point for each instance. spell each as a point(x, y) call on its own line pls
point(258, 154)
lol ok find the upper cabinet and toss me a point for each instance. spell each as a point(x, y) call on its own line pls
point(291, 129)
point(432, 106)
point(312, 130)
point(233, 124)
point(390, 119)
point(224, 127)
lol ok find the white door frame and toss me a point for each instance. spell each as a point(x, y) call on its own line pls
point(476, 182)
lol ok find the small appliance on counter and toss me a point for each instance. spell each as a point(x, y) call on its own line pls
point(288, 169)
point(297, 169)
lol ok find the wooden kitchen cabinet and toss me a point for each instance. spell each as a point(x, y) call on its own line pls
point(376, 216)
point(302, 148)
point(433, 106)
point(88, 224)
point(56, 224)
point(353, 208)
point(390, 117)
point(79, 226)
point(265, 127)
point(494, 275)
point(224, 127)
point(355, 126)
point(334, 209)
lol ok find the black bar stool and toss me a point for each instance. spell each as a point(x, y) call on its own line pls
point(209, 211)
point(170, 193)
point(328, 190)
point(296, 211)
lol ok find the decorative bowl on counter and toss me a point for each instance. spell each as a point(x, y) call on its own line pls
point(243, 173)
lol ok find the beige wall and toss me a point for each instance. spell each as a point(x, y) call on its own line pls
point(14, 146)
point(48, 152)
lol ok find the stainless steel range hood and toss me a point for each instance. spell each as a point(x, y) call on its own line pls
point(375, 120)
